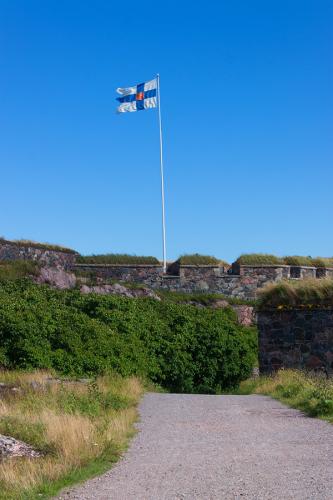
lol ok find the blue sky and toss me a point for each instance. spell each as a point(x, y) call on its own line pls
point(247, 103)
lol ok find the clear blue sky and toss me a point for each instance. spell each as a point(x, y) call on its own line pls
point(247, 102)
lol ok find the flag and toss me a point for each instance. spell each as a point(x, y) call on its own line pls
point(138, 97)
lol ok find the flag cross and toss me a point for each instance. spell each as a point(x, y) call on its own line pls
point(138, 97)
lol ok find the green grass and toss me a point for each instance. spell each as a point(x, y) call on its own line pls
point(311, 393)
point(262, 259)
point(322, 262)
point(297, 294)
point(201, 260)
point(117, 258)
point(36, 244)
point(257, 259)
point(16, 269)
point(81, 429)
point(298, 260)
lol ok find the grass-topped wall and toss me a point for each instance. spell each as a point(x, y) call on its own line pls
point(117, 259)
point(262, 259)
point(197, 259)
point(297, 294)
point(35, 244)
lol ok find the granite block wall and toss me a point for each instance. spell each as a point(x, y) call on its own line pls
point(300, 339)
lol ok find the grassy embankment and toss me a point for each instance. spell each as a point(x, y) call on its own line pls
point(311, 393)
point(81, 429)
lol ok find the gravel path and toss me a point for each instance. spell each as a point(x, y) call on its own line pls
point(219, 447)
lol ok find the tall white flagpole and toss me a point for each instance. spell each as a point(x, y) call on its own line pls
point(162, 172)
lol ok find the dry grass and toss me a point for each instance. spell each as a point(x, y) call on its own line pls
point(308, 293)
point(72, 423)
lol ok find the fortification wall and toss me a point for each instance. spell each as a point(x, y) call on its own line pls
point(300, 339)
point(15, 251)
point(239, 281)
point(242, 282)
point(132, 273)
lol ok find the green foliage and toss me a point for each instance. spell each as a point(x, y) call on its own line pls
point(181, 347)
point(35, 244)
point(257, 259)
point(297, 294)
point(15, 269)
point(201, 260)
point(117, 258)
point(202, 298)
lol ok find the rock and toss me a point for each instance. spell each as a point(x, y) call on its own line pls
point(8, 389)
point(121, 290)
point(10, 447)
point(245, 314)
point(220, 304)
point(57, 277)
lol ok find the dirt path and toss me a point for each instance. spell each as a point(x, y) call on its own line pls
point(219, 447)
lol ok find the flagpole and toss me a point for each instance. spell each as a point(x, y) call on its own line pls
point(162, 173)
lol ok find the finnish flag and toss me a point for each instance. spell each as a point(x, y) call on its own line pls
point(139, 97)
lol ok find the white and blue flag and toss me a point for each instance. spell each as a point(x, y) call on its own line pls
point(138, 97)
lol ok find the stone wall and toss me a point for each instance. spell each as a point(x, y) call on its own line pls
point(134, 273)
point(301, 339)
point(240, 281)
point(15, 251)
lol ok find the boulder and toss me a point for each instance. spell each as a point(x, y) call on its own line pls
point(56, 277)
point(245, 314)
point(10, 447)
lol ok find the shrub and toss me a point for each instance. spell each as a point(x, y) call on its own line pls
point(201, 260)
point(117, 258)
point(304, 293)
point(182, 347)
point(257, 259)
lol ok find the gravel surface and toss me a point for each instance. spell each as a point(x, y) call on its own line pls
point(219, 447)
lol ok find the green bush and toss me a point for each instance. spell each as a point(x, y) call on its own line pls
point(117, 258)
point(181, 347)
